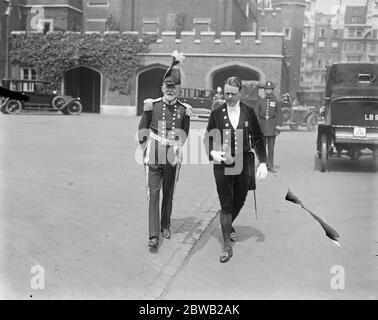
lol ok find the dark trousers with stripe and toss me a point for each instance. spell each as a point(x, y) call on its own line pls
point(269, 142)
point(232, 191)
point(159, 176)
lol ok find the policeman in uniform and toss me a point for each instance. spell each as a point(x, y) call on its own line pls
point(163, 129)
point(268, 110)
point(232, 131)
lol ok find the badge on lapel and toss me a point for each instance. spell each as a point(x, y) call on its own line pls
point(178, 114)
point(246, 124)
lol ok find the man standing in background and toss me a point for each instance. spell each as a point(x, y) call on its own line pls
point(268, 111)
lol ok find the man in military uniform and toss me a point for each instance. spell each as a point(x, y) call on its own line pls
point(163, 129)
point(232, 131)
point(268, 111)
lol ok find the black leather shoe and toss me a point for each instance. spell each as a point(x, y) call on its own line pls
point(153, 242)
point(233, 237)
point(225, 256)
point(166, 233)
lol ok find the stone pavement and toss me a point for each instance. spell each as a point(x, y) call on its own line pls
point(73, 201)
point(284, 254)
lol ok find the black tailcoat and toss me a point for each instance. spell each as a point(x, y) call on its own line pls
point(248, 136)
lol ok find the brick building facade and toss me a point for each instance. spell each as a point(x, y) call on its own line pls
point(349, 34)
point(292, 26)
point(218, 38)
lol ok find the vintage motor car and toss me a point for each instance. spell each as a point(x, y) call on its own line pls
point(295, 116)
point(205, 101)
point(40, 98)
point(200, 100)
point(351, 113)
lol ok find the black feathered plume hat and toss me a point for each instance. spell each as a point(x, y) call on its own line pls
point(173, 76)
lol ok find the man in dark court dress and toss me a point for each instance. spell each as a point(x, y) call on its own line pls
point(232, 132)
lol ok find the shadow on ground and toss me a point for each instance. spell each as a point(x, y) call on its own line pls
point(345, 164)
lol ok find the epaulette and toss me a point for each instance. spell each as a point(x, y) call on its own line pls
point(148, 104)
point(188, 108)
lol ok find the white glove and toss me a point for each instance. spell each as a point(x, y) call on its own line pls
point(227, 149)
point(262, 171)
point(218, 155)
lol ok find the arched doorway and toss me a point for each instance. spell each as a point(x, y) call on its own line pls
point(149, 84)
point(243, 73)
point(250, 79)
point(85, 83)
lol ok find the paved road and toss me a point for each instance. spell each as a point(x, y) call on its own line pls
point(73, 202)
point(285, 253)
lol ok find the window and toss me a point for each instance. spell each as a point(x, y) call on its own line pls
point(287, 33)
point(354, 58)
point(356, 19)
point(335, 32)
point(28, 74)
point(358, 46)
point(373, 58)
point(319, 63)
point(373, 47)
point(304, 35)
point(334, 57)
point(334, 44)
point(374, 33)
point(151, 25)
point(47, 25)
point(201, 24)
point(98, 3)
point(321, 33)
point(351, 32)
point(321, 44)
point(359, 32)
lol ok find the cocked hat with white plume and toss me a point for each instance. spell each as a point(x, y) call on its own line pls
point(172, 76)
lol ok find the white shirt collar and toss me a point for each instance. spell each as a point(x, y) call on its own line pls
point(234, 109)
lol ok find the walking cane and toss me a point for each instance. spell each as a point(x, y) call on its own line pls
point(254, 196)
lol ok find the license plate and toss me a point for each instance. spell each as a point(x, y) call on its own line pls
point(359, 132)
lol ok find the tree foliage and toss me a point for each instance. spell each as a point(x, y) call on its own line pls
point(115, 54)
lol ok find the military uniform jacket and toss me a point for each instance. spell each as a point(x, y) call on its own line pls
point(268, 111)
point(220, 131)
point(166, 121)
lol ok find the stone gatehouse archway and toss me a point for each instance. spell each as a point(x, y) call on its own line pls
point(86, 83)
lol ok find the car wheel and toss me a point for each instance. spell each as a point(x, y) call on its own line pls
point(311, 122)
point(324, 153)
point(13, 107)
point(74, 108)
point(58, 103)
